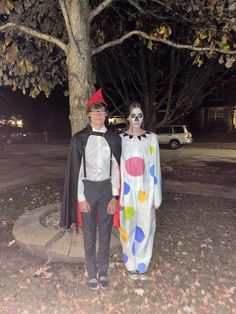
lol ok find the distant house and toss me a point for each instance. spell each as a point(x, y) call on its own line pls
point(218, 110)
point(12, 120)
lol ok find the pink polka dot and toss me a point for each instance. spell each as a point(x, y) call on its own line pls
point(135, 166)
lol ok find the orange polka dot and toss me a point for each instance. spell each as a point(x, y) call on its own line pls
point(142, 197)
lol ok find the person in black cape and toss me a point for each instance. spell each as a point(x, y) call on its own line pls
point(91, 189)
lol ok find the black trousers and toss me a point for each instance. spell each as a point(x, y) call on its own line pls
point(98, 194)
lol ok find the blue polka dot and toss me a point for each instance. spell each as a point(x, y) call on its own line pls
point(126, 188)
point(141, 267)
point(134, 249)
point(155, 180)
point(139, 234)
point(152, 170)
point(125, 258)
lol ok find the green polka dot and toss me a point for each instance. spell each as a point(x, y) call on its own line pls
point(152, 149)
point(128, 212)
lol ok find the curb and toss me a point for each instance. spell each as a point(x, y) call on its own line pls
point(51, 244)
point(60, 246)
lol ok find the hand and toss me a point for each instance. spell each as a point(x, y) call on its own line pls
point(84, 207)
point(112, 206)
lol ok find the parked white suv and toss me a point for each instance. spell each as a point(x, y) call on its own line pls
point(174, 135)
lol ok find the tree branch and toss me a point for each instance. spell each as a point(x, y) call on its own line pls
point(35, 33)
point(140, 9)
point(152, 13)
point(99, 9)
point(68, 24)
point(161, 40)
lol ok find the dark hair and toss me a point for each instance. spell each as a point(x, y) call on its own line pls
point(133, 105)
point(96, 106)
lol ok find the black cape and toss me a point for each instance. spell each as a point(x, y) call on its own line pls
point(76, 148)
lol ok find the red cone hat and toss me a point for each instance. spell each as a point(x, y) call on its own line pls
point(97, 97)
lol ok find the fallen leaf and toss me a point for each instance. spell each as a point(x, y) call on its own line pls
point(43, 273)
point(11, 243)
point(180, 243)
point(139, 292)
point(188, 309)
point(176, 279)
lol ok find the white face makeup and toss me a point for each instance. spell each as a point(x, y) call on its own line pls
point(136, 118)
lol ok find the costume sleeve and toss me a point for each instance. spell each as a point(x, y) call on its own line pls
point(81, 196)
point(155, 172)
point(115, 177)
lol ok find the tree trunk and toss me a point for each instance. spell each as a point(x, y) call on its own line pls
point(79, 63)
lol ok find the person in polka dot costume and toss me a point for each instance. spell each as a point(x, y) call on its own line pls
point(140, 193)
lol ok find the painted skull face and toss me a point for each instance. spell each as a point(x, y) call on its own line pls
point(136, 117)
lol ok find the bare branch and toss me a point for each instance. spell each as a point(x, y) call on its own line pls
point(152, 13)
point(162, 4)
point(99, 9)
point(161, 40)
point(35, 33)
point(140, 9)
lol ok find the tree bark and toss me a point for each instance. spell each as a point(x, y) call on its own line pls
point(79, 63)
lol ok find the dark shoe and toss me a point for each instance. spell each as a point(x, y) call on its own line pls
point(133, 275)
point(142, 276)
point(103, 281)
point(93, 284)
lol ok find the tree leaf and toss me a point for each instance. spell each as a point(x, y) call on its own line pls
point(200, 62)
point(229, 62)
point(7, 40)
point(29, 66)
point(11, 53)
point(168, 31)
point(162, 29)
point(22, 67)
point(10, 5)
point(150, 44)
point(13, 88)
point(196, 42)
point(35, 92)
point(221, 59)
point(225, 47)
point(204, 34)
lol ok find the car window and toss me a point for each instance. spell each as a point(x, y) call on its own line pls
point(164, 130)
point(187, 128)
point(178, 129)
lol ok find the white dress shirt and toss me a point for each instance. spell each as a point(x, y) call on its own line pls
point(97, 158)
